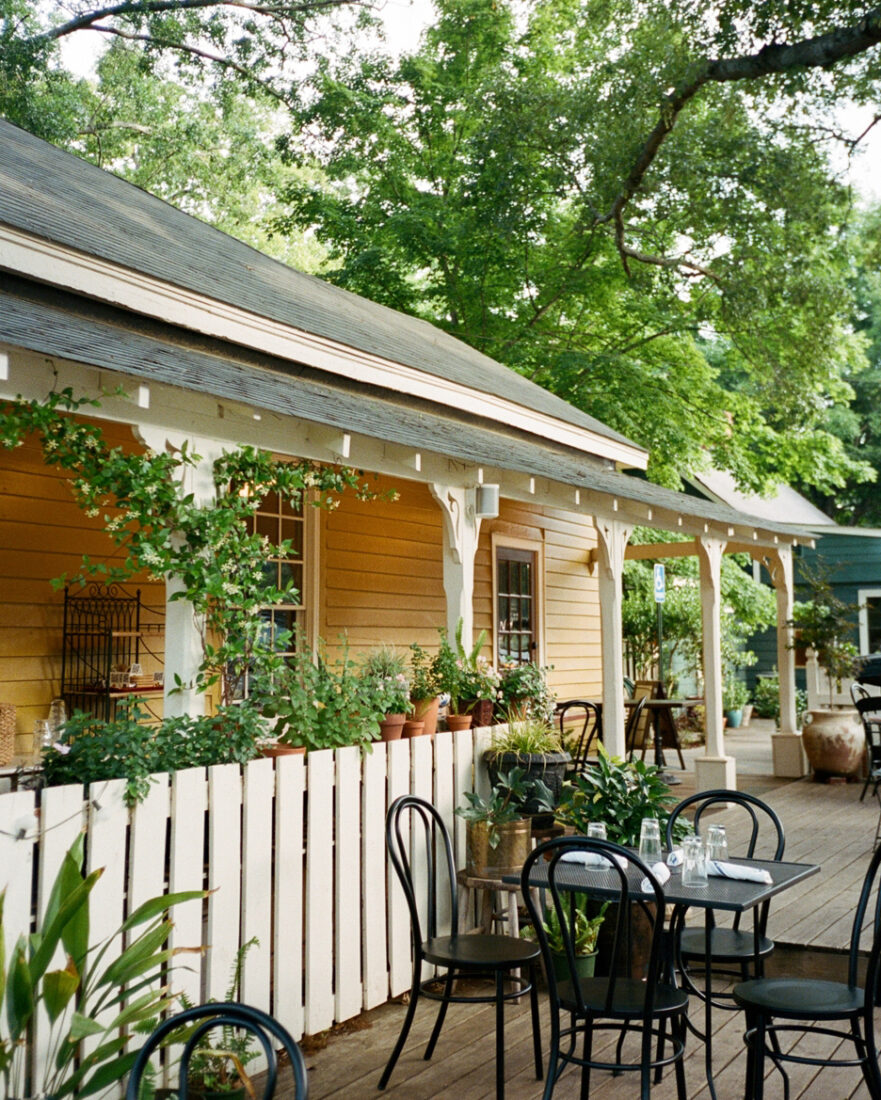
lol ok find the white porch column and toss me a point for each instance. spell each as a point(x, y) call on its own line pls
point(612, 536)
point(461, 531)
point(183, 628)
point(789, 758)
point(714, 769)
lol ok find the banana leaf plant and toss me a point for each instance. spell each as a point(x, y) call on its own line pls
point(98, 994)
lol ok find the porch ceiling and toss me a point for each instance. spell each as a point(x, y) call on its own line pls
point(50, 322)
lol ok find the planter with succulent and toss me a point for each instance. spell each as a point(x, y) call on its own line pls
point(384, 672)
point(498, 836)
point(424, 699)
point(833, 737)
point(84, 999)
point(535, 747)
point(574, 909)
point(524, 693)
point(735, 695)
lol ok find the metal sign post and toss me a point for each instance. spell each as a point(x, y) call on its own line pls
point(660, 596)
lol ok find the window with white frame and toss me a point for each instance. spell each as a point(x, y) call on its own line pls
point(869, 600)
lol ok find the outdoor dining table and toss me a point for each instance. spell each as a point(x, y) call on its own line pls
point(725, 894)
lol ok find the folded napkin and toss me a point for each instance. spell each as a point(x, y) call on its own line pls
point(675, 858)
point(591, 859)
point(735, 870)
point(661, 872)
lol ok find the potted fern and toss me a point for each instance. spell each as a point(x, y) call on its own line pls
point(585, 931)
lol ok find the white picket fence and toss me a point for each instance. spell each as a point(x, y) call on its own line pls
point(293, 850)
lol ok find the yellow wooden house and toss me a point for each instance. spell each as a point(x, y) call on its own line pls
point(514, 508)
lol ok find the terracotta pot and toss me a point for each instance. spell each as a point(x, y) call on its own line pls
point(425, 710)
point(834, 741)
point(507, 858)
point(458, 722)
point(481, 711)
point(414, 728)
point(280, 749)
point(391, 727)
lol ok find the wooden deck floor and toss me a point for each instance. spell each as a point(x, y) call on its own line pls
point(825, 824)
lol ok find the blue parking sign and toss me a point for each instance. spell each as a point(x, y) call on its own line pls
point(660, 584)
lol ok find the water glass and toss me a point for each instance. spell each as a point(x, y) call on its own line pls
point(694, 866)
point(650, 840)
point(597, 830)
point(717, 842)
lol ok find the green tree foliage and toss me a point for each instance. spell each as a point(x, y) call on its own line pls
point(579, 190)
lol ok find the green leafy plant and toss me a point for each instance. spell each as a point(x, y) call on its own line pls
point(98, 994)
point(384, 672)
point(503, 805)
point(584, 932)
point(735, 694)
point(219, 1066)
point(533, 737)
point(767, 699)
point(619, 793)
point(463, 674)
point(423, 677)
point(319, 701)
point(130, 747)
point(524, 688)
point(825, 623)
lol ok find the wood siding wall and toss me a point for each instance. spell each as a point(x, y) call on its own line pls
point(43, 534)
point(382, 579)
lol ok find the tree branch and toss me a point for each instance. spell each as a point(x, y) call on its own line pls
point(88, 20)
point(819, 52)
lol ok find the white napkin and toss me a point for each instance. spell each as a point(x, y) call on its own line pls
point(735, 870)
point(661, 872)
point(591, 859)
point(675, 858)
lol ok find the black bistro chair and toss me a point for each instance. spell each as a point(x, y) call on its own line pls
point(869, 708)
point(636, 729)
point(269, 1034)
point(582, 748)
point(736, 951)
point(807, 1006)
point(470, 955)
point(616, 1002)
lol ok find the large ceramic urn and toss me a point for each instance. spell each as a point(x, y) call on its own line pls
point(834, 741)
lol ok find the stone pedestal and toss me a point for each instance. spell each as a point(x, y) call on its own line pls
point(715, 773)
point(788, 755)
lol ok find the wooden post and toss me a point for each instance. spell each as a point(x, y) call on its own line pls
point(612, 536)
point(461, 531)
point(714, 769)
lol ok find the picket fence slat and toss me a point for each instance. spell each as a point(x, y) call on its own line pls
point(373, 877)
point(224, 875)
point(319, 891)
point(257, 883)
point(293, 851)
point(347, 885)
point(189, 801)
point(444, 802)
point(288, 1003)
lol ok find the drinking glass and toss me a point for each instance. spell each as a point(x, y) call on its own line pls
point(694, 866)
point(717, 842)
point(597, 830)
point(650, 840)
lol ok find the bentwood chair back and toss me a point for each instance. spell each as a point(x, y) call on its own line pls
point(582, 1006)
point(582, 747)
point(778, 1007)
point(416, 831)
point(197, 1022)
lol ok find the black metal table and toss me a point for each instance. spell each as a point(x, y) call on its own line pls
point(728, 895)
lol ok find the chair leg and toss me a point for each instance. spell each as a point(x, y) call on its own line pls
point(587, 1054)
point(678, 1032)
point(758, 1065)
point(866, 1047)
point(500, 1035)
point(553, 1055)
point(441, 1016)
point(536, 1023)
point(405, 1029)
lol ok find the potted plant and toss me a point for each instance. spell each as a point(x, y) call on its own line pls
point(524, 693)
point(470, 680)
point(448, 674)
point(384, 672)
point(832, 736)
point(585, 931)
point(424, 699)
point(216, 1069)
point(534, 746)
point(84, 996)
point(319, 701)
point(498, 836)
point(735, 695)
